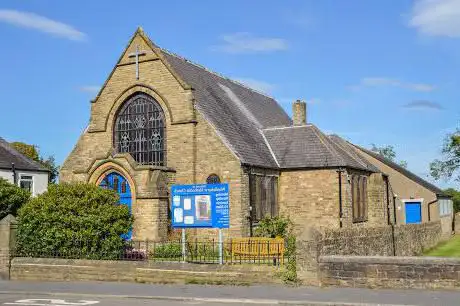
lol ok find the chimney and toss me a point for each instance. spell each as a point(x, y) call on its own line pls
point(299, 113)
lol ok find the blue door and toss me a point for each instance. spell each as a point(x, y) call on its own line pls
point(118, 183)
point(413, 212)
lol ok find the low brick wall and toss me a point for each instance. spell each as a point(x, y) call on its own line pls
point(389, 272)
point(44, 269)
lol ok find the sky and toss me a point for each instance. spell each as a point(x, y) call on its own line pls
point(382, 72)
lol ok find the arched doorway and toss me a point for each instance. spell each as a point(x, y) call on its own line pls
point(118, 182)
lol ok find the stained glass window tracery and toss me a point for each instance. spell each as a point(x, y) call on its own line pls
point(140, 130)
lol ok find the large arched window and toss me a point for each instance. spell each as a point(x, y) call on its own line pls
point(140, 130)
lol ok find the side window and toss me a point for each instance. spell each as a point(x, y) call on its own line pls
point(213, 179)
point(26, 182)
point(359, 198)
point(264, 196)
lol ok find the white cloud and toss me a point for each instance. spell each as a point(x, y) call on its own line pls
point(90, 89)
point(379, 81)
point(257, 84)
point(423, 105)
point(40, 23)
point(247, 43)
point(436, 17)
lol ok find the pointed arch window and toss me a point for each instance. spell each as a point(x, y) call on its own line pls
point(140, 130)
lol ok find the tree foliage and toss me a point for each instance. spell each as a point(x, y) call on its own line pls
point(11, 198)
point(455, 194)
point(389, 153)
point(33, 152)
point(449, 165)
point(71, 219)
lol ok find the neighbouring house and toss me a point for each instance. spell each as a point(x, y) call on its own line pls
point(416, 200)
point(160, 120)
point(21, 170)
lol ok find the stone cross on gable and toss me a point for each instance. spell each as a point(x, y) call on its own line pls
point(136, 55)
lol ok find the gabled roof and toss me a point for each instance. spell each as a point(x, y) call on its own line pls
point(403, 171)
point(307, 147)
point(237, 112)
point(9, 155)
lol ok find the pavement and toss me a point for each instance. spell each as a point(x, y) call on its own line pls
point(117, 294)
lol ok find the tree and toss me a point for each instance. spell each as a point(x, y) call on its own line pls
point(389, 153)
point(33, 152)
point(74, 220)
point(455, 197)
point(11, 198)
point(449, 165)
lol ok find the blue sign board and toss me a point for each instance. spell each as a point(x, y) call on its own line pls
point(202, 205)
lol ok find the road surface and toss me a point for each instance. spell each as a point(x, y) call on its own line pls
point(117, 294)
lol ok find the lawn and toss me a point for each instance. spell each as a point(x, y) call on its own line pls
point(450, 248)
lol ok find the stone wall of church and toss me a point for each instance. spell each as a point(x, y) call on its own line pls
point(310, 198)
point(194, 150)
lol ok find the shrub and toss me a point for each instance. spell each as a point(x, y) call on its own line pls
point(167, 250)
point(282, 227)
point(274, 227)
point(11, 198)
point(73, 220)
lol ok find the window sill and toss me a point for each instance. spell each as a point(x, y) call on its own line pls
point(360, 220)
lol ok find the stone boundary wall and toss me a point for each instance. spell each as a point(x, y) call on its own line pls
point(389, 272)
point(413, 239)
point(400, 240)
point(43, 269)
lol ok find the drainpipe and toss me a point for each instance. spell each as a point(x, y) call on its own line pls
point(250, 203)
point(15, 175)
point(429, 210)
point(340, 198)
point(387, 183)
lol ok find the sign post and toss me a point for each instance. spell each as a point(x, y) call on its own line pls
point(200, 206)
point(183, 245)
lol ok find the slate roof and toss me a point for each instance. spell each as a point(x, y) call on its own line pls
point(307, 147)
point(9, 155)
point(404, 171)
point(237, 112)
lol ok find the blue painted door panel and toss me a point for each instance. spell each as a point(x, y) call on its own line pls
point(413, 212)
point(118, 183)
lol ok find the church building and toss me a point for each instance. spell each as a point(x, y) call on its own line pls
point(160, 120)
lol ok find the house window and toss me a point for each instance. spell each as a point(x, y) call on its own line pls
point(445, 207)
point(140, 130)
point(213, 179)
point(264, 199)
point(26, 182)
point(359, 198)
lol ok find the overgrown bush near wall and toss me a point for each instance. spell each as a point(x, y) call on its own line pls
point(11, 198)
point(281, 227)
point(75, 221)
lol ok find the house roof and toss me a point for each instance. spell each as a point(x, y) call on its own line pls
point(307, 147)
point(238, 113)
point(403, 170)
point(9, 155)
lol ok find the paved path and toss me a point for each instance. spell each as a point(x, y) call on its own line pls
point(106, 294)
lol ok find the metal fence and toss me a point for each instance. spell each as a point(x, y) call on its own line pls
point(233, 251)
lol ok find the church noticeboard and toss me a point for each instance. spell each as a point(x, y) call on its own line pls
point(202, 205)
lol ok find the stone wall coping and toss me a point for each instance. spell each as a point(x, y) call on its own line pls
point(176, 266)
point(391, 260)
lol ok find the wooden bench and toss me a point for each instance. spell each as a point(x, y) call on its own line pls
point(258, 249)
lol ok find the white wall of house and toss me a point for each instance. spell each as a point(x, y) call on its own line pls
point(39, 179)
point(7, 175)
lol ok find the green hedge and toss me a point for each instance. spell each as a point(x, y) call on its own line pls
point(73, 220)
point(11, 198)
